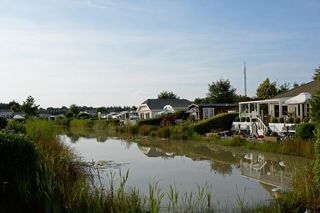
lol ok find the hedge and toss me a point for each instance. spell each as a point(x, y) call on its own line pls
point(221, 121)
point(18, 157)
point(151, 121)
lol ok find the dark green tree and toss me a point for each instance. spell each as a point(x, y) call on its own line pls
point(14, 106)
point(295, 85)
point(267, 89)
point(74, 109)
point(283, 88)
point(29, 107)
point(316, 74)
point(167, 95)
point(221, 92)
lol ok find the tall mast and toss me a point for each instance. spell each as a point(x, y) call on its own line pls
point(245, 79)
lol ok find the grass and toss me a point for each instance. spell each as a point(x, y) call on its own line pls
point(63, 184)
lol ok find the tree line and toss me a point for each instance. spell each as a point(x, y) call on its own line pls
point(221, 91)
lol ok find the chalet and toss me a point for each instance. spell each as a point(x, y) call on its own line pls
point(294, 103)
point(151, 107)
point(205, 111)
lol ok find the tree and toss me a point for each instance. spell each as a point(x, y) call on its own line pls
point(14, 106)
point(267, 90)
point(283, 88)
point(201, 100)
point(315, 100)
point(295, 85)
point(74, 109)
point(167, 95)
point(221, 92)
point(29, 107)
point(316, 74)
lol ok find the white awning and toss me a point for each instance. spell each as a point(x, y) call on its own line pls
point(299, 99)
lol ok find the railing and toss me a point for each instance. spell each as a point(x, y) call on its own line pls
point(262, 126)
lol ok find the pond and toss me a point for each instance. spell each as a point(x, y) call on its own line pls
point(231, 175)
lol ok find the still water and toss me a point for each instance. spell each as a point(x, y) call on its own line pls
point(228, 173)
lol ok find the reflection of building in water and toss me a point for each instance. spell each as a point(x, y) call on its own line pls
point(265, 171)
point(155, 152)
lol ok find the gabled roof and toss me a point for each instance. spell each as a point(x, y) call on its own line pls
point(160, 103)
point(311, 87)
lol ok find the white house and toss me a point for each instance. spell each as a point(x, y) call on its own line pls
point(294, 103)
point(152, 107)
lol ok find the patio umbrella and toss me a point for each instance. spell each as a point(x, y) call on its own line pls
point(299, 99)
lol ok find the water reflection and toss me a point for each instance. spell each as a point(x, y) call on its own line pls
point(155, 152)
point(258, 167)
point(229, 170)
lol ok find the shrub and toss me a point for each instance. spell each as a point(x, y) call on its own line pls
point(243, 119)
point(305, 130)
point(69, 114)
point(17, 126)
point(306, 120)
point(297, 120)
point(237, 119)
point(281, 120)
point(221, 121)
point(274, 120)
point(18, 157)
point(290, 120)
point(3, 122)
point(317, 156)
point(248, 119)
point(182, 131)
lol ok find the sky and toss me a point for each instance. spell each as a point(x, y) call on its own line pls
point(121, 52)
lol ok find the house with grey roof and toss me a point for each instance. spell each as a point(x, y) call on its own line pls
point(150, 108)
point(6, 113)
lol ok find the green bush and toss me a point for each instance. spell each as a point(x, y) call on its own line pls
point(305, 130)
point(151, 121)
point(243, 119)
point(248, 119)
point(18, 157)
point(274, 120)
point(290, 120)
point(221, 121)
point(297, 120)
point(69, 114)
point(182, 131)
point(306, 120)
point(281, 120)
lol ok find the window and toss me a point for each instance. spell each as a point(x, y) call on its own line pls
point(147, 115)
point(208, 112)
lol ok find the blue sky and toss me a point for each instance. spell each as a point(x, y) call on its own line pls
point(117, 52)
